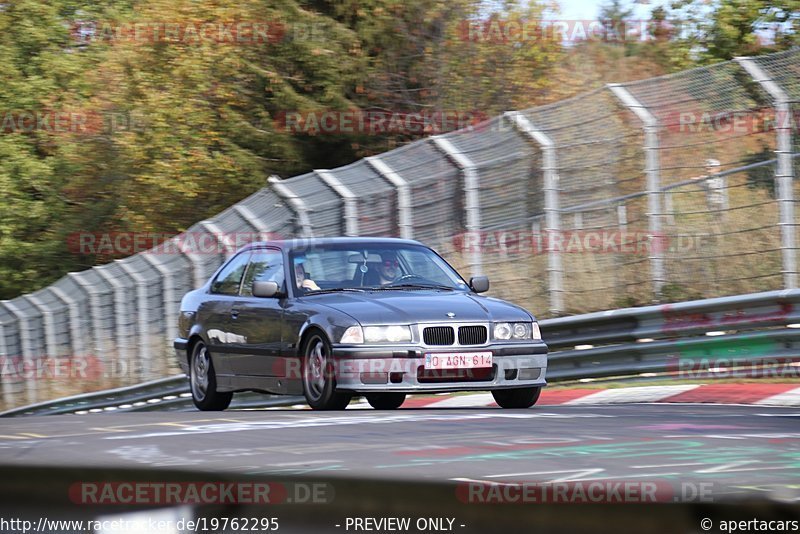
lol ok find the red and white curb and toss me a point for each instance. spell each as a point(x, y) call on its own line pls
point(758, 394)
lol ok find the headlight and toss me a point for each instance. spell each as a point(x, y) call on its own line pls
point(354, 334)
point(384, 334)
point(505, 331)
point(522, 331)
point(502, 331)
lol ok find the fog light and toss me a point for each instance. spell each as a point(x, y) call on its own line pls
point(511, 374)
point(529, 374)
point(395, 378)
point(374, 378)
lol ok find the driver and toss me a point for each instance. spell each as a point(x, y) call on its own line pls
point(389, 268)
point(300, 276)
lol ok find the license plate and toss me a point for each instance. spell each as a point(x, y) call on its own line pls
point(457, 360)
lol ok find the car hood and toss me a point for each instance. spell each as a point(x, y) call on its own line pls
point(406, 307)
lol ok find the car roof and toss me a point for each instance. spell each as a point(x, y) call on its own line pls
point(317, 241)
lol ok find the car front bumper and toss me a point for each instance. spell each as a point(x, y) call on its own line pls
point(401, 368)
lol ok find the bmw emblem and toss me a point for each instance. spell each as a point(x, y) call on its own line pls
point(451, 314)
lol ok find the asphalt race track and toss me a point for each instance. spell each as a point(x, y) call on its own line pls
point(739, 450)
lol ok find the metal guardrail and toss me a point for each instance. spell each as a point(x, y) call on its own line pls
point(170, 393)
point(668, 338)
point(674, 337)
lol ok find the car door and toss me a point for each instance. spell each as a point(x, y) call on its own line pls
point(256, 322)
point(215, 312)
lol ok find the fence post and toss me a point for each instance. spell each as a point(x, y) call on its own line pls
point(404, 212)
point(99, 348)
point(296, 203)
point(652, 170)
point(49, 326)
point(142, 313)
point(28, 357)
point(7, 384)
point(254, 221)
point(170, 304)
point(348, 197)
point(472, 196)
point(551, 207)
point(622, 216)
point(77, 343)
point(228, 247)
point(783, 171)
point(121, 330)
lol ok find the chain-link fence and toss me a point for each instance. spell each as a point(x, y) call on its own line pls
point(662, 190)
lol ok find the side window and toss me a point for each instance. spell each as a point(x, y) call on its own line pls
point(265, 266)
point(228, 280)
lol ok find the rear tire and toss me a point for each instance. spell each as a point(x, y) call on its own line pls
point(386, 401)
point(203, 381)
point(516, 398)
point(319, 378)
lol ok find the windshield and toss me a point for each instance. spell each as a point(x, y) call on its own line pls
point(340, 267)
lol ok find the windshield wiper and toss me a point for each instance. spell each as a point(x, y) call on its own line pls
point(417, 286)
point(333, 290)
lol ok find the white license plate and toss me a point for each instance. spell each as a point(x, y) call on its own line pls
point(457, 360)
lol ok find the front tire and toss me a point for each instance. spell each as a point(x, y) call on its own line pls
point(319, 378)
point(516, 398)
point(386, 401)
point(203, 381)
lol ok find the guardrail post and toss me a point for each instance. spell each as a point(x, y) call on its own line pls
point(652, 170)
point(404, 211)
point(552, 209)
point(348, 197)
point(472, 196)
point(783, 172)
point(297, 204)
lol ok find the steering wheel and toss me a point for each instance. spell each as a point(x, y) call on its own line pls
point(408, 277)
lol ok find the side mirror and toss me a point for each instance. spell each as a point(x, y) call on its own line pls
point(265, 289)
point(479, 284)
